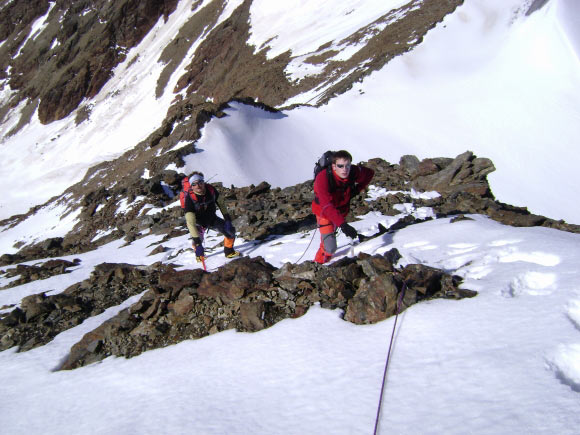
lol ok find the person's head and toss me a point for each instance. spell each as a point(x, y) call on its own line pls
point(197, 182)
point(341, 162)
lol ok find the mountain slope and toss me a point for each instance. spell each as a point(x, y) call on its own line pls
point(105, 268)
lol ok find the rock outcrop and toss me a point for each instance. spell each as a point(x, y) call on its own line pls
point(261, 211)
point(247, 294)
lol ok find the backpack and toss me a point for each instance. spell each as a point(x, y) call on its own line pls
point(324, 163)
point(186, 190)
point(185, 186)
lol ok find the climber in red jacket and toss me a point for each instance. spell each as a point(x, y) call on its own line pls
point(333, 190)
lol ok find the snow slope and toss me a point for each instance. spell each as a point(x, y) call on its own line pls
point(488, 79)
point(506, 361)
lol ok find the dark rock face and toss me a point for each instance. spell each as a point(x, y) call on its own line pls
point(73, 57)
point(465, 173)
point(247, 294)
point(43, 271)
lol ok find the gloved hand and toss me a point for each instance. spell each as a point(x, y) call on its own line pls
point(349, 231)
point(198, 247)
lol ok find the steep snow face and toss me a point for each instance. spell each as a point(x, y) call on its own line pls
point(302, 26)
point(569, 17)
point(489, 79)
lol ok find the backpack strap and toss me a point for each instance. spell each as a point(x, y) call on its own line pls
point(331, 180)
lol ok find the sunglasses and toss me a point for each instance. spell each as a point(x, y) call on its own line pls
point(199, 183)
point(347, 166)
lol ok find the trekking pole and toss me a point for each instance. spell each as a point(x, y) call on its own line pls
point(203, 263)
point(397, 309)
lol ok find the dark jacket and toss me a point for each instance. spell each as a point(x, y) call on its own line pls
point(204, 207)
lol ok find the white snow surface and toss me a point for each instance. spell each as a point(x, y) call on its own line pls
point(505, 361)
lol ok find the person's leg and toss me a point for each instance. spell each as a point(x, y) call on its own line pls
point(229, 237)
point(327, 240)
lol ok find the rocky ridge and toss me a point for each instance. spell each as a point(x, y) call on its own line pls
point(247, 294)
point(261, 211)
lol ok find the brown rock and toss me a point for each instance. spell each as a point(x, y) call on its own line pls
point(375, 300)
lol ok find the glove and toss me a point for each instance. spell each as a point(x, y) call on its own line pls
point(198, 247)
point(349, 231)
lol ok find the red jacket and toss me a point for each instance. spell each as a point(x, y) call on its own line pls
point(335, 205)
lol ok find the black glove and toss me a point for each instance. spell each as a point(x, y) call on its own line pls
point(349, 231)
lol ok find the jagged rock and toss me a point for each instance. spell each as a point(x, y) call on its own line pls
point(259, 212)
point(237, 278)
point(40, 318)
point(251, 316)
point(374, 300)
point(465, 173)
point(247, 294)
point(32, 273)
point(263, 187)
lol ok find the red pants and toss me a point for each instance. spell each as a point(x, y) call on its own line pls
point(327, 240)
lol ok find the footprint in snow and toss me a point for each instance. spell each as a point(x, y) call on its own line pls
point(531, 283)
point(566, 365)
point(461, 248)
point(421, 246)
point(415, 244)
point(574, 313)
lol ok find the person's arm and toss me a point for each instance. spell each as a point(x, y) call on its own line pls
point(222, 207)
point(322, 192)
point(191, 225)
point(363, 177)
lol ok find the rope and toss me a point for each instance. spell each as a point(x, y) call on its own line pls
point(306, 250)
point(398, 308)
